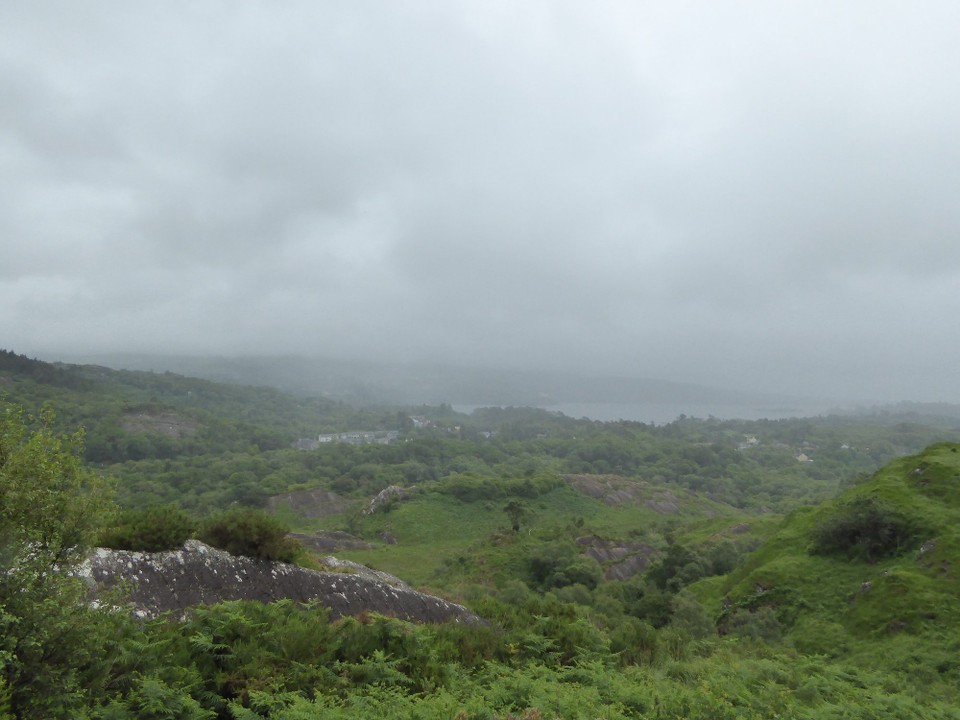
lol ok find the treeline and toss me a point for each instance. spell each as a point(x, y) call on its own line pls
point(169, 438)
point(701, 456)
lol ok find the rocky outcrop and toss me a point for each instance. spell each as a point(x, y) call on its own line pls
point(393, 493)
point(621, 559)
point(198, 574)
point(352, 568)
point(618, 490)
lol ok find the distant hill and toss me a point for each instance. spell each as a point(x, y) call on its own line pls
point(367, 383)
point(131, 415)
point(943, 414)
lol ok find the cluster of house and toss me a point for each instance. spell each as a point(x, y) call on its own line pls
point(378, 437)
point(750, 441)
point(353, 437)
point(361, 437)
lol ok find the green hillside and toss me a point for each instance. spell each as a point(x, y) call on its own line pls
point(132, 416)
point(872, 574)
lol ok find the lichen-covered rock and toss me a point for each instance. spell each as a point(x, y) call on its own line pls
point(352, 568)
point(618, 490)
point(198, 574)
point(393, 493)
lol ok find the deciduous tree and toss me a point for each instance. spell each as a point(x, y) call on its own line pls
point(50, 508)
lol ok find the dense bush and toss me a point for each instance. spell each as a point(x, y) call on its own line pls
point(760, 624)
point(163, 527)
point(864, 528)
point(471, 488)
point(558, 564)
point(252, 533)
point(679, 567)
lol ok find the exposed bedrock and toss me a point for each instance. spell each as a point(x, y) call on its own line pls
point(198, 574)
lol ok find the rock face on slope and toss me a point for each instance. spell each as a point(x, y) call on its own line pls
point(198, 574)
point(622, 559)
point(393, 493)
point(617, 490)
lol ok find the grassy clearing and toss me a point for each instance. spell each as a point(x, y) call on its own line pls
point(438, 534)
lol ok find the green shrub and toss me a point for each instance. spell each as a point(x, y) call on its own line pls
point(154, 529)
point(761, 624)
point(814, 635)
point(469, 487)
point(679, 567)
point(153, 699)
point(634, 642)
point(252, 533)
point(689, 615)
point(557, 565)
point(864, 528)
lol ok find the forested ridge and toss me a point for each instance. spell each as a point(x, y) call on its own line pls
point(701, 568)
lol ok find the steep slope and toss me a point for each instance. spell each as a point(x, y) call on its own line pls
point(878, 563)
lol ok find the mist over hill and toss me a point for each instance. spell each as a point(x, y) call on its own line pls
point(384, 383)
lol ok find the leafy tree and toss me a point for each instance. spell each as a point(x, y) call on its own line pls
point(723, 557)
point(50, 508)
point(517, 512)
point(690, 616)
point(558, 564)
point(679, 567)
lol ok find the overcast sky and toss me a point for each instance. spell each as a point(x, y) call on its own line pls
point(744, 194)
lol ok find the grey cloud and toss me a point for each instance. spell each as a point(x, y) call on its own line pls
point(740, 193)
